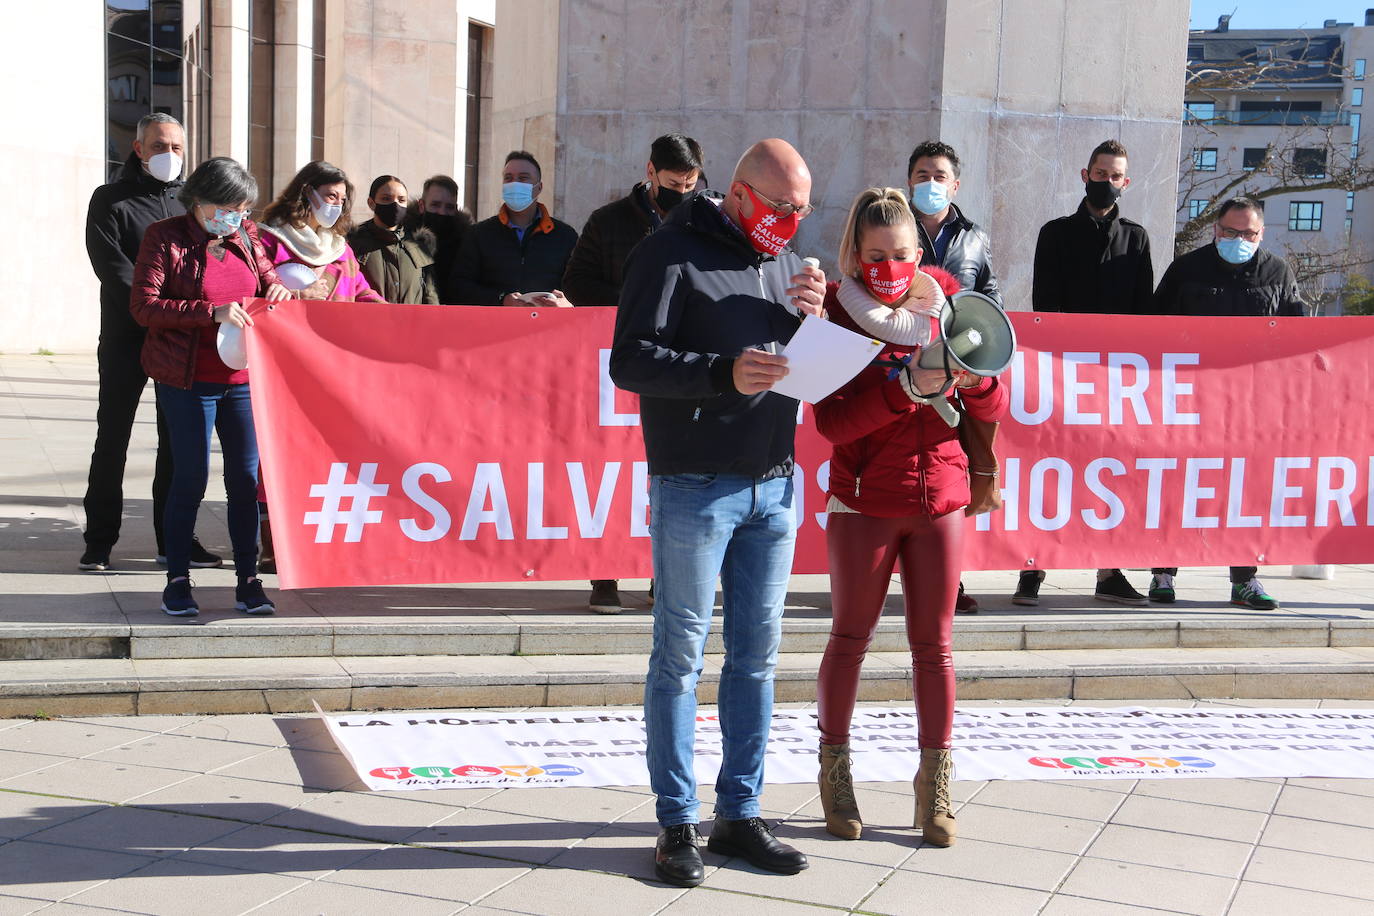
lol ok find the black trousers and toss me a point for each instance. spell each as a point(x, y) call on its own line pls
point(1239, 574)
point(122, 381)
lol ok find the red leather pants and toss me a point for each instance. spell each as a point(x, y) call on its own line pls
point(863, 551)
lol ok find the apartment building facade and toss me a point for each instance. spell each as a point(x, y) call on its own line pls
point(1282, 108)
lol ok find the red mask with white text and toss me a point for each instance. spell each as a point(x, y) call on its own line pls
point(889, 281)
point(767, 232)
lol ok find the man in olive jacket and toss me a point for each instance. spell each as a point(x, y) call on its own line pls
point(597, 266)
point(144, 192)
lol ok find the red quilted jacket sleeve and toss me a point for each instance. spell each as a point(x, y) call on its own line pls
point(160, 286)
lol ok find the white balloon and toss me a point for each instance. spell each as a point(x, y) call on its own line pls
point(295, 275)
point(233, 350)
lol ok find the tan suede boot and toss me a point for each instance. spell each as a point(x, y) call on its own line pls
point(934, 813)
point(837, 793)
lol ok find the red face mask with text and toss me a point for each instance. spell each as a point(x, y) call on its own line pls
point(889, 281)
point(767, 232)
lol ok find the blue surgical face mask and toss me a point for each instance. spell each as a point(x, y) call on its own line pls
point(930, 197)
point(224, 222)
point(518, 195)
point(1236, 251)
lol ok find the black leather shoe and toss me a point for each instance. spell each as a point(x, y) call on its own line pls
point(677, 860)
point(752, 841)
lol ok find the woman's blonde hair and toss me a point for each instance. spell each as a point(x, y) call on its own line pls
point(873, 207)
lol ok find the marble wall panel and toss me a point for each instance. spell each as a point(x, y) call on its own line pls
point(592, 170)
point(594, 51)
point(1096, 46)
point(1032, 56)
point(1155, 64)
point(779, 49)
point(973, 39)
point(905, 53)
point(835, 66)
point(653, 61)
point(712, 53)
point(888, 139)
point(1152, 198)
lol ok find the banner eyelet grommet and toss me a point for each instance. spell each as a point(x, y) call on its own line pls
point(534, 314)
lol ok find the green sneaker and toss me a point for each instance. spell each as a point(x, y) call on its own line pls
point(1162, 589)
point(1252, 595)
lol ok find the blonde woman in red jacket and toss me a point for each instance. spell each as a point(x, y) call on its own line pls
point(898, 487)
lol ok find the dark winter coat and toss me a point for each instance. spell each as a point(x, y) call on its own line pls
point(167, 290)
point(1097, 266)
point(696, 294)
point(494, 260)
point(1201, 282)
point(119, 213)
point(968, 256)
point(596, 269)
point(399, 265)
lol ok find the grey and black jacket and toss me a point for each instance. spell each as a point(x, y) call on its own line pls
point(695, 295)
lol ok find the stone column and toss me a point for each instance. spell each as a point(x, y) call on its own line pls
point(231, 56)
point(294, 81)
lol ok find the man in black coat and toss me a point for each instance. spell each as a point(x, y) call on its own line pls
point(119, 213)
point(1094, 260)
point(439, 212)
point(519, 251)
point(949, 239)
point(597, 265)
point(1230, 276)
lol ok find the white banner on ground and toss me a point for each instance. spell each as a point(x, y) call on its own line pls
point(605, 747)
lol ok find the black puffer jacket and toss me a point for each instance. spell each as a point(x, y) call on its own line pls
point(1083, 264)
point(597, 266)
point(696, 294)
point(1202, 283)
point(119, 213)
point(494, 260)
point(968, 256)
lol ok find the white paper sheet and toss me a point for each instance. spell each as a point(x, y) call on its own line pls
point(821, 357)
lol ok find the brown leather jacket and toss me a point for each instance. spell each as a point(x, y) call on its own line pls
point(167, 290)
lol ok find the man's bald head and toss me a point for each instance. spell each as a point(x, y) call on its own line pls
point(774, 169)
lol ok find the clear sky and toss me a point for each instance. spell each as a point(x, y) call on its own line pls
point(1277, 14)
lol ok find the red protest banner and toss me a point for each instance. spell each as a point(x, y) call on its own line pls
point(461, 444)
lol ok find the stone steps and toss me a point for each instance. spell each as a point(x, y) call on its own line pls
point(237, 637)
point(149, 686)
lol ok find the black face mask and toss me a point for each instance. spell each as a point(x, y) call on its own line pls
point(1102, 194)
point(441, 224)
point(391, 212)
point(668, 198)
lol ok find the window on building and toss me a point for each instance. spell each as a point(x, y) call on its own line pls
point(262, 81)
point(1195, 208)
point(1310, 162)
point(1253, 157)
point(1349, 201)
point(1357, 96)
point(1305, 216)
point(1358, 70)
point(143, 69)
point(317, 83)
point(479, 39)
point(1199, 111)
point(1195, 51)
point(1205, 160)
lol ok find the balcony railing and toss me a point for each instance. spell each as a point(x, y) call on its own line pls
point(1268, 118)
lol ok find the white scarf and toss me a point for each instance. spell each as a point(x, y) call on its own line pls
point(316, 248)
point(906, 324)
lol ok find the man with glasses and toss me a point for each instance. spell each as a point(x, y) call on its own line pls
point(707, 302)
point(1231, 276)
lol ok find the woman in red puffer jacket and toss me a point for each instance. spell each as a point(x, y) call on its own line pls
point(193, 274)
point(898, 487)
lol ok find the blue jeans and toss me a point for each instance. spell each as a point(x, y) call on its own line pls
point(741, 529)
point(191, 416)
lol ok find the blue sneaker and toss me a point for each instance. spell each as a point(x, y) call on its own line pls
point(177, 600)
point(251, 599)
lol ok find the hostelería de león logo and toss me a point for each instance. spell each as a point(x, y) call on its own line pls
point(1083, 766)
point(504, 772)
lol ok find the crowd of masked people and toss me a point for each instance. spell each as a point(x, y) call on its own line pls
point(707, 291)
point(176, 258)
